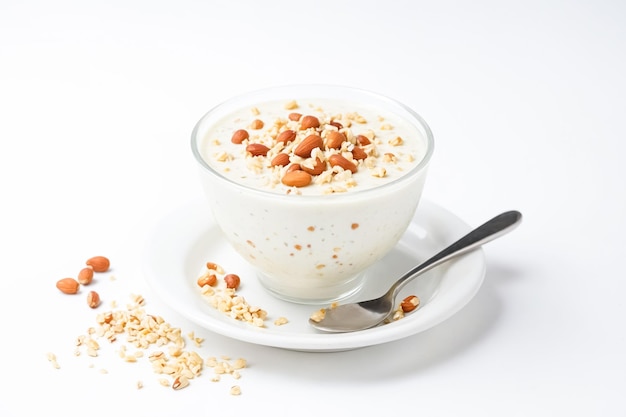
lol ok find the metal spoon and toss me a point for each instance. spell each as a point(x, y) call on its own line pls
point(366, 314)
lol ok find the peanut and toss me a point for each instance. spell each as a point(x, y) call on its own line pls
point(68, 285)
point(410, 303)
point(294, 167)
point(336, 124)
point(232, 281)
point(85, 275)
point(317, 169)
point(358, 153)
point(286, 136)
point(257, 124)
point(99, 263)
point(257, 149)
point(214, 266)
point(363, 140)
point(308, 144)
point(297, 178)
point(239, 136)
point(339, 160)
point(280, 159)
point(335, 139)
point(93, 299)
point(308, 122)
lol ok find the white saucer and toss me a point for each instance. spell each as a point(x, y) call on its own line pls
point(186, 239)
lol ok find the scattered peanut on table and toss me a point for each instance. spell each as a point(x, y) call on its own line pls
point(148, 335)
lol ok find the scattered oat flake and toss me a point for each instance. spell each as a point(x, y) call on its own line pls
point(280, 321)
point(290, 105)
point(235, 390)
point(180, 383)
point(142, 331)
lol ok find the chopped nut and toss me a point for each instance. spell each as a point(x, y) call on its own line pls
point(278, 148)
point(280, 321)
point(215, 267)
point(389, 157)
point(318, 315)
point(53, 360)
point(207, 279)
point(290, 105)
point(180, 383)
point(144, 330)
point(379, 172)
point(410, 303)
point(93, 299)
point(397, 141)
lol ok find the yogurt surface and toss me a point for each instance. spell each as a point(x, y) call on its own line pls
point(359, 147)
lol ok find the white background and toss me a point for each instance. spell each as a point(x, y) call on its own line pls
point(526, 100)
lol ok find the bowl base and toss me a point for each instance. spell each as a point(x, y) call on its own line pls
point(316, 296)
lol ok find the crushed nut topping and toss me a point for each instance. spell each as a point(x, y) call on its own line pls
point(290, 137)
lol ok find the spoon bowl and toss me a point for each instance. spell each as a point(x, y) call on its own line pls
point(366, 314)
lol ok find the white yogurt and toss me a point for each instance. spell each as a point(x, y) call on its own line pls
point(395, 146)
point(311, 243)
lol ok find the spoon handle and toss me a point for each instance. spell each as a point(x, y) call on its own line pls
point(489, 231)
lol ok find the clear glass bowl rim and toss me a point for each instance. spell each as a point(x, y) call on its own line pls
point(421, 166)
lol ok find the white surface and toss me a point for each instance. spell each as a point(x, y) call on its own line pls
point(186, 239)
point(526, 102)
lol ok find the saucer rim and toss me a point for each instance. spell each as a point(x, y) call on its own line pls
point(196, 217)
